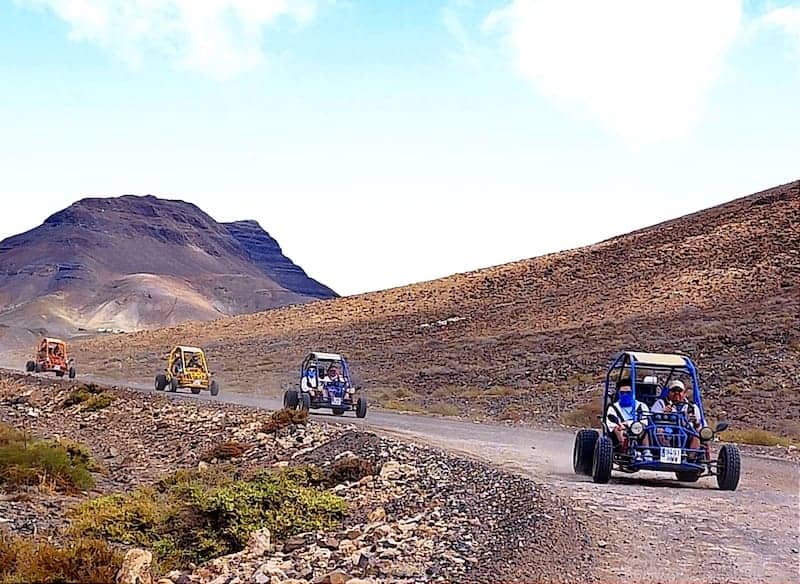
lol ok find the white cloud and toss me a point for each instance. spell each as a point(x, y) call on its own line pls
point(218, 38)
point(641, 69)
point(786, 18)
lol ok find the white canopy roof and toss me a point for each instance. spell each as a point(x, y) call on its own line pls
point(327, 356)
point(659, 359)
point(190, 349)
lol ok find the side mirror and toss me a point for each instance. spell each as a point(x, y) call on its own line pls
point(721, 427)
point(613, 419)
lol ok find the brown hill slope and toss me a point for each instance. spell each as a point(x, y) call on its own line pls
point(532, 338)
point(136, 262)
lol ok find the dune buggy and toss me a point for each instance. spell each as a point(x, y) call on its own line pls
point(51, 355)
point(325, 382)
point(187, 368)
point(655, 441)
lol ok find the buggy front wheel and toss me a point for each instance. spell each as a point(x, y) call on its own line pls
point(306, 403)
point(30, 366)
point(361, 407)
point(729, 467)
point(214, 387)
point(173, 384)
point(71, 374)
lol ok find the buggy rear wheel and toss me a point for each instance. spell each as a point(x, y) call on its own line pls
point(37, 368)
point(583, 451)
point(30, 366)
point(729, 467)
point(214, 387)
point(161, 382)
point(59, 374)
point(195, 390)
point(338, 411)
point(687, 476)
point(602, 460)
point(361, 407)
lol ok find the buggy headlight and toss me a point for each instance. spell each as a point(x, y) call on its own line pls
point(637, 428)
point(706, 433)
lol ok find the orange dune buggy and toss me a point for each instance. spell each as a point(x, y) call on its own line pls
point(51, 355)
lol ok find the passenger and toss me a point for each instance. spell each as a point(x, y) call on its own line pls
point(309, 383)
point(332, 376)
point(627, 410)
point(676, 402)
point(177, 366)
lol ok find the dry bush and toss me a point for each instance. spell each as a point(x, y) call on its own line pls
point(79, 560)
point(284, 418)
point(757, 437)
point(350, 470)
point(224, 451)
point(443, 409)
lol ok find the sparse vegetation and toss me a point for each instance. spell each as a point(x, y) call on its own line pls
point(79, 560)
point(444, 409)
point(92, 397)
point(193, 516)
point(28, 461)
point(402, 406)
point(758, 437)
point(583, 416)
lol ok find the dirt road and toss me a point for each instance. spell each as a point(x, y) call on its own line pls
point(648, 528)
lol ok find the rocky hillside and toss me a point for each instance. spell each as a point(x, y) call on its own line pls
point(136, 262)
point(532, 339)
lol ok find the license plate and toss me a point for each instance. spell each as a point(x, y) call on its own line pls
point(336, 401)
point(196, 382)
point(57, 367)
point(671, 455)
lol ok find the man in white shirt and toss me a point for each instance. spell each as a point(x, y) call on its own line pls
point(626, 410)
point(676, 402)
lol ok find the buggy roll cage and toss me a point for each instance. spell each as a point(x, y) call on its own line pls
point(671, 364)
point(329, 358)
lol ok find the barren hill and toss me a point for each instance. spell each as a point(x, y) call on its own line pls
point(135, 262)
point(531, 339)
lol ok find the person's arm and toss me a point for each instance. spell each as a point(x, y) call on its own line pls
point(610, 426)
point(658, 407)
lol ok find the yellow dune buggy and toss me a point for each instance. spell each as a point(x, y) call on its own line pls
point(187, 368)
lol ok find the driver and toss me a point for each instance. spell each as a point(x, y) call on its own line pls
point(676, 402)
point(625, 408)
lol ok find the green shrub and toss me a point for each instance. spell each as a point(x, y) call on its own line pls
point(29, 461)
point(98, 402)
point(194, 516)
point(84, 393)
point(79, 560)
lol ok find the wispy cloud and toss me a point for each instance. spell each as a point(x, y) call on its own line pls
point(786, 18)
point(451, 18)
point(640, 69)
point(218, 38)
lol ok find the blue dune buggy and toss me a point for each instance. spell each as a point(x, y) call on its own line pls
point(655, 441)
point(325, 382)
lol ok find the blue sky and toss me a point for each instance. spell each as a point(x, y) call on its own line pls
point(435, 137)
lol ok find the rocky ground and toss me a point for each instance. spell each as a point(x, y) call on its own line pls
point(423, 515)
